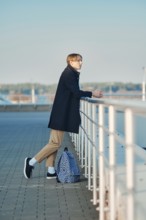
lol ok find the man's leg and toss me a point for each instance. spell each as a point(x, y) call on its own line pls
point(49, 152)
point(50, 161)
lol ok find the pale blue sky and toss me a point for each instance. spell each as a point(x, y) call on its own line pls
point(37, 35)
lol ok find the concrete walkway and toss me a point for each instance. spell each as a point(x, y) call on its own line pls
point(23, 134)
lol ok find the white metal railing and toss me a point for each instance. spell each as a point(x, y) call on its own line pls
point(99, 128)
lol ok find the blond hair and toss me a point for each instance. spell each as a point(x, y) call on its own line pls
point(72, 57)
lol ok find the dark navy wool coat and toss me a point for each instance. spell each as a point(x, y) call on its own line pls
point(65, 114)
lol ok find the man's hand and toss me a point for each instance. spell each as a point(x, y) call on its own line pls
point(97, 93)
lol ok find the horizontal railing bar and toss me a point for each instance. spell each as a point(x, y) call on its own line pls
point(137, 105)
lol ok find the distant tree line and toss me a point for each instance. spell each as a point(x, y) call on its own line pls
point(25, 88)
point(114, 86)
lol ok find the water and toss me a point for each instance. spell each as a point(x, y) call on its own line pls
point(139, 136)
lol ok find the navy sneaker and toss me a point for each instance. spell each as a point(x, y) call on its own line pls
point(51, 176)
point(27, 168)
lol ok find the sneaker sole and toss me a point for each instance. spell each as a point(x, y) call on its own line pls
point(25, 168)
point(51, 177)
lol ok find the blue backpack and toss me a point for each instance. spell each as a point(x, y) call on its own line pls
point(67, 168)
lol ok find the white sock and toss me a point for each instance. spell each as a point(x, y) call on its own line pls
point(32, 162)
point(51, 170)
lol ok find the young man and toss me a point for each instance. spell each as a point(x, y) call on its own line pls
point(65, 115)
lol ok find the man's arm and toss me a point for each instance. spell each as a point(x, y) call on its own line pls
point(72, 85)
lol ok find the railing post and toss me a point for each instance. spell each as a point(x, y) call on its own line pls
point(82, 136)
point(101, 164)
point(94, 153)
point(79, 144)
point(82, 148)
point(89, 146)
point(86, 140)
point(112, 152)
point(75, 140)
point(129, 138)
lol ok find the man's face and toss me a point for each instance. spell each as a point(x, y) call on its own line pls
point(76, 63)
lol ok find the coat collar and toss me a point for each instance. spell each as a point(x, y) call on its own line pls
point(75, 71)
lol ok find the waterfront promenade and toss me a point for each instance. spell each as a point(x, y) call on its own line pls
point(22, 134)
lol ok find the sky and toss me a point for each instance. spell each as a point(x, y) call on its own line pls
point(37, 35)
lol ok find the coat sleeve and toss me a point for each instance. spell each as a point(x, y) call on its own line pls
point(71, 82)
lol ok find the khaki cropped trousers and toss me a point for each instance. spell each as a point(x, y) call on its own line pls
point(49, 151)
